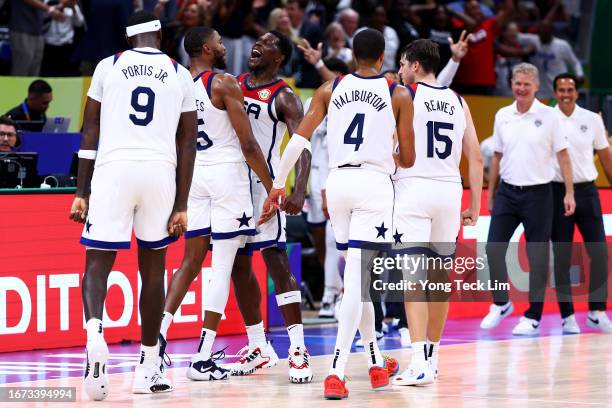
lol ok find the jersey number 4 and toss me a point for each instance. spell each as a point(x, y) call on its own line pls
point(433, 132)
point(356, 124)
point(146, 108)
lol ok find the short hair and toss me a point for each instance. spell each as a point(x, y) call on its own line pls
point(336, 65)
point(195, 39)
point(141, 17)
point(285, 46)
point(302, 4)
point(368, 44)
point(425, 52)
point(39, 87)
point(565, 75)
point(5, 120)
point(526, 68)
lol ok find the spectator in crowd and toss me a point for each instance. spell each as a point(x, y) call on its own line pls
point(379, 22)
point(32, 110)
point(58, 60)
point(441, 32)
point(302, 28)
point(477, 72)
point(26, 38)
point(509, 52)
point(335, 44)
point(349, 19)
point(279, 21)
point(262, 12)
point(458, 6)
point(9, 139)
point(105, 35)
point(192, 15)
point(164, 10)
point(553, 56)
point(235, 24)
point(405, 23)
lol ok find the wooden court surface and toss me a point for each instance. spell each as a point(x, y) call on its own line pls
point(557, 371)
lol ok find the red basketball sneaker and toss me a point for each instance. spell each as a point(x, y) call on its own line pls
point(335, 388)
point(379, 377)
point(391, 365)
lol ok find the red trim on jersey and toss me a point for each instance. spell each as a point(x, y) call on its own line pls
point(206, 81)
point(337, 81)
point(262, 93)
point(117, 55)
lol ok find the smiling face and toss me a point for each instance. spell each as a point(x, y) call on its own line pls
point(524, 87)
point(566, 93)
point(265, 52)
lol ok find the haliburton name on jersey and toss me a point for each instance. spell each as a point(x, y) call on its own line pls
point(360, 96)
point(144, 70)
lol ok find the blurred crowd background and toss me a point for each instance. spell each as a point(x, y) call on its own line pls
point(68, 37)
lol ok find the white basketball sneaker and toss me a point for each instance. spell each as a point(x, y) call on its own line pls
point(299, 367)
point(253, 359)
point(96, 380)
point(496, 315)
point(405, 337)
point(598, 319)
point(417, 373)
point(570, 325)
point(526, 327)
point(150, 380)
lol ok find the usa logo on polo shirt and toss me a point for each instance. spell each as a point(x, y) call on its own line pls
point(584, 128)
point(538, 122)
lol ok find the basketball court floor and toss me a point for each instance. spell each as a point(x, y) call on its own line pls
point(477, 369)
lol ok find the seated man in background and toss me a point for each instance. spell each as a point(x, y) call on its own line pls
point(30, 114)
point(9, 139)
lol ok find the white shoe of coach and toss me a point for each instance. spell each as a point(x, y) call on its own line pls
point(496, 315)
point(526, 327)
point(570, 325)
point(599, 320)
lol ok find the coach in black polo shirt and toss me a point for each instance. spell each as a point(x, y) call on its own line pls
point(528, 139)
point(586, 134)
point(30, 114)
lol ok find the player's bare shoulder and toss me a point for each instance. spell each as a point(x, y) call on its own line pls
point(225, 86)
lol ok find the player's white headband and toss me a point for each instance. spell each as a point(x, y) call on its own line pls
point(147, 27)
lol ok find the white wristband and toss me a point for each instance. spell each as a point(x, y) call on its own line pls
point(319, 64)
point(88, 154)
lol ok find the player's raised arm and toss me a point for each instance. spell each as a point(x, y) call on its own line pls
point(234, 106)
point(290, 110)
point(298, 142)
point(87, 158)
point(403, 110)
point(471, 149)
point(186, 136)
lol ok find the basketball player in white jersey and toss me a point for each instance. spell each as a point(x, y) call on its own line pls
point(427, 212)
point(140, 117)
point(364, 111)
point(272, 108)
point(220, 205)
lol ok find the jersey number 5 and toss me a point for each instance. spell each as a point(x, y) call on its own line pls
point(147, 108)
point(357, 123)
point(433, 132)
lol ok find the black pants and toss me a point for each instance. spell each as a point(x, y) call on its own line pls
point(532, 206)
point(588, 218)
point(396, 310)
point(58, 62)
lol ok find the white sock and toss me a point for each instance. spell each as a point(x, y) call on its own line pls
point(432, 348)
point(94, 330)
point(368, 335)
point(349, 315)
point(419, 351)
point(207, 338)
point(149, 355)
point(165, 324)
point(256, 335)
point(339, 363)
point(296, 335)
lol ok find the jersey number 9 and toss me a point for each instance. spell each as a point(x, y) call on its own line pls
point(146, 108)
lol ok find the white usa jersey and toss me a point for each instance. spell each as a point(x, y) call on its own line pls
point(439, 126)
point(361, 123)
point(259, 104)
point(142, 93)
point(217, 140)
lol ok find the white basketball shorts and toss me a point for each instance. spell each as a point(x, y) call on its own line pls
point(126, 193)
